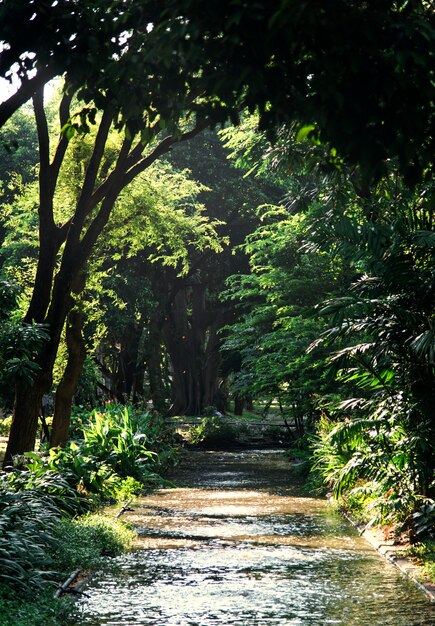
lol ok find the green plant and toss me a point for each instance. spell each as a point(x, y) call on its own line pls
point(424, 519)
point(28, 526)
point(126, 488)
point(208, 427)
point(83, 541)
point(17, 609)
point(113, 436)
point(5, 426)
point(44, 479)
point(423, 553)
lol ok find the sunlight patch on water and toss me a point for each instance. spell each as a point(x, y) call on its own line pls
point(255, 555)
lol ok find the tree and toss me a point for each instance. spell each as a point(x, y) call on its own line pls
point(358, 76)
point(171, 312)
point(276, 325)
point(283, 58)
point(65, 247)
point(41, 40)
point(156, 235)
point(382, 329)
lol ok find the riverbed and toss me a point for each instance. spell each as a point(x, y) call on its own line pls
point(238, 542)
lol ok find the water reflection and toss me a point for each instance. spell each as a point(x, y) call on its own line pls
point(238, 544)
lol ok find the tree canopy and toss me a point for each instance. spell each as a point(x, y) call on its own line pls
point(358, 76)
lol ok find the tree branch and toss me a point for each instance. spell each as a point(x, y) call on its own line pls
point(27, 89)
point(45, 182)
point(93, 166)
point(64, 115)
point(161, 148)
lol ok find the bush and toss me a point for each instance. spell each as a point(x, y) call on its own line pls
point(43, 608)
point(28, 531)
point(113, 436)
point(5, 426)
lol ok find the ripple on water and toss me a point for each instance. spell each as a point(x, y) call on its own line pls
point(260, 563)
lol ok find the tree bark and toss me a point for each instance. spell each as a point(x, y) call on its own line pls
point(239, 404)
point(68, 385)
point(153, 359)
point(22, 436)
point(193, 347)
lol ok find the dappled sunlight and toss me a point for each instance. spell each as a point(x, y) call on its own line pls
point(209, 555)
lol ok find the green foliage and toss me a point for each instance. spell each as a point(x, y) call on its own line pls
point(82, 542)
point(208, 427)
point(424, 554)
point(275, 327)
point(376, 461)
point(5, 426)
point(50, 480)
point(213, 430)
point(28, 523)
point(123, 437)
point(108, 459)
point(19, 342)
point(114, 437)
point(127, 488)
point(17, 609)
point(424, 519)
point(384, 348)
point(38, 548)
point(41, 536)
point(288, 79)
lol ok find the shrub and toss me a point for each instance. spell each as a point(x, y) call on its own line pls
point(114, 437)
point(43, 608)
point(28, 530)
point(5, 426)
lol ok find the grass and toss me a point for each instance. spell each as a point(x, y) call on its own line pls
point(81, 543)
point(423, 554)
point(19, 610)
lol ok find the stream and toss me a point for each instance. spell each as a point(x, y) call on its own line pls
point(239, 543)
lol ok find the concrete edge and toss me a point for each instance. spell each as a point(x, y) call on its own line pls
point(388, 551)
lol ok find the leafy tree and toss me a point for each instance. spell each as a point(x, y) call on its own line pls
point(67, 235)
point(142, 259)
point(358, 76)
point(276, 327)
point(160, 329)
point(18, 343)
point(283, 58)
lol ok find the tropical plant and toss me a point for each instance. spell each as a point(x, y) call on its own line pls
point(113, 436)
point(384, 349)
point(276, 325)
point(28, 525)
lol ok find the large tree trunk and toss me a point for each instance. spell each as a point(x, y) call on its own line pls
point(124, 377)
point(51, 299)
point(153, 359)
point(193, 346)
point(28, 398)
point(25, 423)
point(68, 385)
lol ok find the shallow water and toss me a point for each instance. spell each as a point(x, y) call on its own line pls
point(237, 543)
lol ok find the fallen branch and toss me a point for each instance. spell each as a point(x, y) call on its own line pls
point(63, 588)
point(124, 508)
